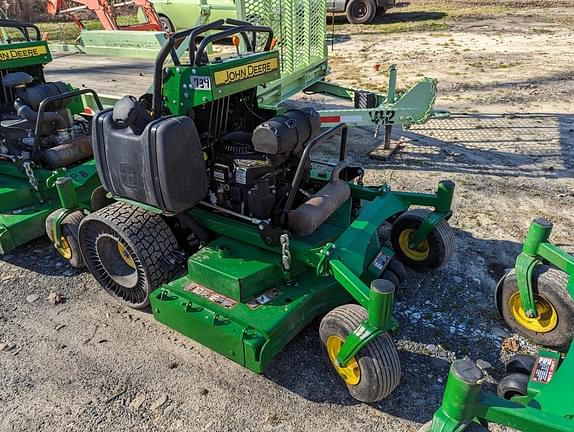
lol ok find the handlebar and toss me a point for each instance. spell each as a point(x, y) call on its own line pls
point(196, 52)
point(340, 129)
point(44, 104)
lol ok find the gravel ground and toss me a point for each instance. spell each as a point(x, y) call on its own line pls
point(89, 364)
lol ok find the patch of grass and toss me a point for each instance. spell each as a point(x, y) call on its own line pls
point(433, 15)
point(68, 31)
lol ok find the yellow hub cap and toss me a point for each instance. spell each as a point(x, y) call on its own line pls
point(126, 256)
point(351, 373)
point(420, 253)
point(547, 318)
point(65, 250)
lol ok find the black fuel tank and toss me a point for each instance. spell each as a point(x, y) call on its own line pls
point(162, 167)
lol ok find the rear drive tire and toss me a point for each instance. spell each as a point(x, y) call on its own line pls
point(69, 244)
point(129, 251)
point(361, 11)
point(375, 371)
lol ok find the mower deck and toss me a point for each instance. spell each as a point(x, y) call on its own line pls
point(23, 211)
point(234, 299)
point(253, 331)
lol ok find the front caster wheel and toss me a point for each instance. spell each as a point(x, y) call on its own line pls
point(69, 248)
point(554, 325)
point(375, 371)
point(129, 251)
point(434, 251)
point(511, 385)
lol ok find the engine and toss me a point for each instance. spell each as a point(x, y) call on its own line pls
point(63, 138)
point(252, 172)
point(227, 154)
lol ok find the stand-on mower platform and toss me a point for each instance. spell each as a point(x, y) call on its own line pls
point(237, 238)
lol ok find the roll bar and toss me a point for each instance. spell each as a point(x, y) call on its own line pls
point(22, 27)
point(48, 100)
point(340, 129)
point(225, 29)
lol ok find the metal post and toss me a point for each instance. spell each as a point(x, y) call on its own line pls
point(538, 233)
point(460, 396)
point(445, 194)
point(381, 303)
point(392, 92)
point(67, 193)
point(388, 131)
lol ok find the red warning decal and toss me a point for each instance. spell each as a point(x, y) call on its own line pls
point(544, 369)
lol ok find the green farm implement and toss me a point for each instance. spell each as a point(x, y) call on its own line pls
point(44, 137)
point(536, 298)
point(535, 394)
point(231, 231)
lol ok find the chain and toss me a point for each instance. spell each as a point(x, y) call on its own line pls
point(31, 177)
point(285, 252)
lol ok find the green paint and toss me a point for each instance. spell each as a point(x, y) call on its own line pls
point(238, 270)
point(246, 335)
point(115, 43)
point(23, 210)
point(333, 266)
point(187, 87)
point(537, 250)
point(547, 408)
point(24, 54)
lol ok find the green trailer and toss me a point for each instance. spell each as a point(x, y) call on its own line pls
point(300, 33)
point(44, 136)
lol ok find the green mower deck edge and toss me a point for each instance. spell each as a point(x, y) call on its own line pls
point(547, 407)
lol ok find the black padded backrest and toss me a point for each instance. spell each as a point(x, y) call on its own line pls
point(162, 167)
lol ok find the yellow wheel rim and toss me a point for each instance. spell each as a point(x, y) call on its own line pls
point(65, 250)
point(420, 253)
point(351, 373)
point(126, 256)
point(547, 318)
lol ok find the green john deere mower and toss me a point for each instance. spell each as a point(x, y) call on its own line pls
point(235, 236)
point(44, 137)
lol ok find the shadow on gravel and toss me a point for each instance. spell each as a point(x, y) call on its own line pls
point(40, 256)
point(508, 145)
